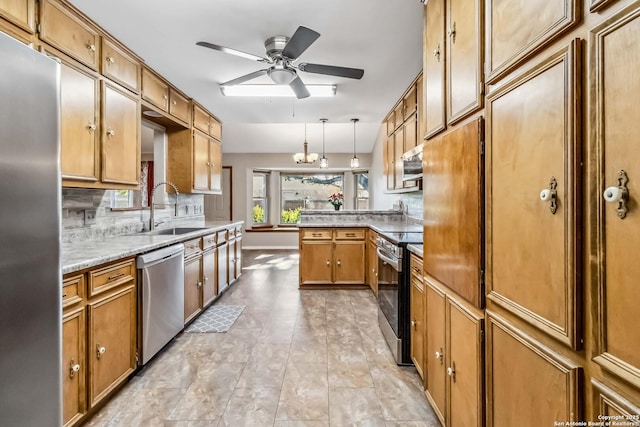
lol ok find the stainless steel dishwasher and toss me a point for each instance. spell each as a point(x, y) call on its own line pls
point(161, 276)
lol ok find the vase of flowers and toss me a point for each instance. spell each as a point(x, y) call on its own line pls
point(336, 199)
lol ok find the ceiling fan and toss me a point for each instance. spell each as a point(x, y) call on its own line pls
point(282, 52)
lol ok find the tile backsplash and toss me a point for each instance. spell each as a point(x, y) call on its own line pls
point(87, 214)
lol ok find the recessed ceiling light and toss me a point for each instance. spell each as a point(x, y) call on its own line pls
point(276, 90)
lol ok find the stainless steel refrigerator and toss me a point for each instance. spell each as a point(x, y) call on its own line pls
point(30, 273)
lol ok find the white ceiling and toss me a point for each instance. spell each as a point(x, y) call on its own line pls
point(380, 36)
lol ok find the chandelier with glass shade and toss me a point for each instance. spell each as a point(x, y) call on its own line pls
point(305, 157)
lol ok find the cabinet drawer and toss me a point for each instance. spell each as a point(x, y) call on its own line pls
point(20, 12)
point(209, 241)
point(215, 129)
point(200, 119)
point(72, 290)
point(155, 90)
point(222, 236)
point(232, 233)
point(316, 234)
point(179, 106)
point(111, 276)
point(119, 66)
point(350, 234)
point(191, 247)
point(62, 29)
point(410, 103)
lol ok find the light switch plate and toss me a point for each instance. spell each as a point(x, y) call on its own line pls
point(89, 216)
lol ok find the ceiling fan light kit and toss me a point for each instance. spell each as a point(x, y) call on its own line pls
point(282, 53)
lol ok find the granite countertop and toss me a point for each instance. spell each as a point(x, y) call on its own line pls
point(377, 226)
point(416, 249)
point(80, 255)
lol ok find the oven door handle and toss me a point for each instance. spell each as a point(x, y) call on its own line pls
point(394, 263)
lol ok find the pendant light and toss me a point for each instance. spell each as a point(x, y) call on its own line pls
point(355, 162)
point(324, 162)
point(305, 156)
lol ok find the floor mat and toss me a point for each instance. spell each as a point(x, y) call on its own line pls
point(217, 318)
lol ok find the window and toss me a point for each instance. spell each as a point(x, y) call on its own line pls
point(121, 198)
point(361, 182)
point(306, 191)
point(260, 198)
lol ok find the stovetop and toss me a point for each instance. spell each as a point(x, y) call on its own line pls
point(402, 238)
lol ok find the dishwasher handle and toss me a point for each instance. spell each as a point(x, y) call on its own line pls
point(160, 255)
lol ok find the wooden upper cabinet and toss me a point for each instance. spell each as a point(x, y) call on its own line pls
point(453, 197)
point(512, 36)
point(79, 123)
point(397, 158)
point(200, 119)
point(200, 161)
point(410, 102)
point(596, 5)
point(410, 130)
point(398, 115)
point(533, 196)
point(20, 12)
point(515, 359)
point(119, 66)
point(464, 58)
point(389, 163)
point(17, 33)
point(120, 136)
point(215, 129)
point(155, 90)
point(215, 166)
point(434, 69)
point(391, 124)
point(420, 109)
point(64, 30)
point(179, 106)
point(614, 129)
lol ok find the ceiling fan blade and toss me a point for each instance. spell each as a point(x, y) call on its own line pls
point(299, 42)
point(233, 51)
point(299, 88)
point(332, 70)
point(244, 78)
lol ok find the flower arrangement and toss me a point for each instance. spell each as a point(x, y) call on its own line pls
point(336, 199)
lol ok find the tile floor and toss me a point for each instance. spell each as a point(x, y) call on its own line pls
point(293, 358)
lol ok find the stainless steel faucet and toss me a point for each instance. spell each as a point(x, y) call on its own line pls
point(152, 224)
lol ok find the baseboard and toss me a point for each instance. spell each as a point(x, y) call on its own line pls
point(268, 248)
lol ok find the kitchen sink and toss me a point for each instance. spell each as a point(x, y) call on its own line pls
point(173, 231)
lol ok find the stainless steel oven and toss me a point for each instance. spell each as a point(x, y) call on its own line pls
point(393, 293)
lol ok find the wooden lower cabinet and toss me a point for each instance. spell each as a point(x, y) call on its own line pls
point(520, 372)
point(74, 367)
point(232, 260)
point(209, 279)
point(112, 342)
point(608, 402)
point(238, 259)
point(454, 357)
point(417, 315)
point(372, 262)
point(332, 256)
point(223, 266)
point(192, 287)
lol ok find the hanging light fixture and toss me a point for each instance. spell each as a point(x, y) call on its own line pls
point(324, 162)
point(305, 156)
point(355, 162)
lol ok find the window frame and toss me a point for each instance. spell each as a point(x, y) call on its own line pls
point(264, 200)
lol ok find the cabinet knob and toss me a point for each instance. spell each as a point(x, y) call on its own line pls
point(165, 97)
point(174, 103)
point(73, 369)
point(91, 127)
point(550, 195)
point(199, 284)
point(452, 32)
point(110, 60)
point(451, 371)
point(440, 356)
point(206, 279)
point(436, 52)
point(414, 324)
point(111, 133)
point(100, 350)
point(339, 263)
point(619, 194)
point(328, 263)
point(91, 47)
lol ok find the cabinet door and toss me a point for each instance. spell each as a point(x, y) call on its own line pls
point(532, 146)
point(417, 317)
point(215, 166)
point(315, 262)
point(223, 267)
point(608, 402)
point(420, 110)
point(192, 288)
point(372, 265)
point(74, 369)
point(179, 106)
point(434, 69)
point(410, 133)
point(398, 144)
point(349, 262)
point(464, 58)
point(66, 31)
point(215, 129)
point(119, 66)
point(79, 124)
point(200, 119)
point(410, 102)
point(232, 261)
point(238, 256)
point(617, 236)
point(200, 161)
point(120, 136)
point(112, 342)
point(436, 372)
point(465, 366)
point(155, 90)
point(209, 277)
point(20, 12)
point(389, 163)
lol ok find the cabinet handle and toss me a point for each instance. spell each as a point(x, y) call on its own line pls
point(174, 103)
point(115, 276)
point(452, 33)
point(110, 60)
point(199, 284)
point(64, 295)
point(100, 350)
point(440, 356)
point(339, 263)
point(91, 127)
point(451, 371)
point(206, 279)
point(165, 97)
point(436, 52)
point(619, 194)
point(111, 132)
point(550, 195)
point(414, 324)
point(351, 234)
point(73, 369)
point(91, 47)
point(328, 263)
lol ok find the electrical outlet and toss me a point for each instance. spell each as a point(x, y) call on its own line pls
point(89, 216)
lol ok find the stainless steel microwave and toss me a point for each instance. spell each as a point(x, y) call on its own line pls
point(412, 164)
